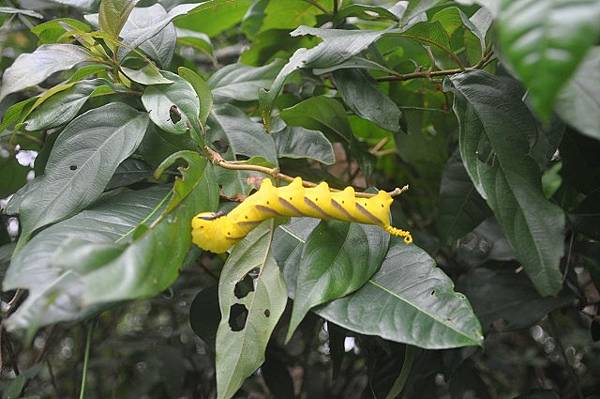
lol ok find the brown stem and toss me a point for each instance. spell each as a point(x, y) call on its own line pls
point(217, 159)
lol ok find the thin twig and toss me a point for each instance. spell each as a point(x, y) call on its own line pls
point(217, 159)
point(86, 358)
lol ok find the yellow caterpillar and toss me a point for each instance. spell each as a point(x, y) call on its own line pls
point(217, 232)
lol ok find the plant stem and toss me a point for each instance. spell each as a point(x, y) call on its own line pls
point(86, 357)
point(398, 387)
point(216, 159)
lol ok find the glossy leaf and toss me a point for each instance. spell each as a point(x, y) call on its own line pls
point(148, 75)
point(113, 14)
point(408, 300)
point(82, 161)
point(578, 104)
point(160, 100)
point(506, 176)
point(202, 90)
point(241, 352)
point(214, 16)
point(337, 259)
point(32, 68)
point(544, 41)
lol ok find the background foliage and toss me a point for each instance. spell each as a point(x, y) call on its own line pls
point(120, 120)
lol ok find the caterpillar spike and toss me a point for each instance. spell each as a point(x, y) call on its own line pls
point(218, 232)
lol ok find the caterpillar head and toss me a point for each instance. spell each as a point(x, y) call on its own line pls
point(209, 232)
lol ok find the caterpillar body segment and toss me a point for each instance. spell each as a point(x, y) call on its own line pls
point(218, 232)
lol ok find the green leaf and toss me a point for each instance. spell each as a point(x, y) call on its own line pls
point(113, 14)
point(199, 41)
point(365, 12)
point(320, 113)
point(242, 82)
point(77, 266)
point(461, 208)
point(148, 75)
point(539, 394)
point(338, 46)
point(159, 46)
point(82, 161)
point(544, 41)
point(578, 103)
point(129, 171)
point(29, 13)
point(60, 108)
point(289, 14)
point(501, 295)
point(159, 100)
point(495, 151)
point(31, 69)
point(337, 259)
point(54, 31)
point(360, 93)
point(202, 90)
point(416, 7)
point(241, 352)
point(6, 251)
point(214, 16)
point(245, 137)
point(14, 175)
point(299, 143)
point(408, 300)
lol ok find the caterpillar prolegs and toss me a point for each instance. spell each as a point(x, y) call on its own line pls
point(217, 232)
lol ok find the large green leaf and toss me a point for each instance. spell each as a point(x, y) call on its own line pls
point(545, 40)
point(64, 106)
point(83, 159)
point(130, 245)
point(215, 16)
point(495, 151)
point(202, 90)
point(242, 82)
point(408, 300)
point(579, 103)
point(161, 46)
point(337, 259)
point(159, 100)
point(241, 351)
point(505, 296)
point(113, 14)
point(361, 95)
point(289, 14)
point(338, 46)
point(32, 68)
point(299, 143)
point(461, 208)
point(245, 137)
point(14, 175)
point(320, 113)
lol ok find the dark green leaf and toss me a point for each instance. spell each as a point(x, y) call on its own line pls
point(539, 394)
point(14, 175)
point(545, 40)
point(408, 300)
point(129, 171)
point(82, 161)
point(54, 31)
point(506, 176)
point(205, 315)
point(461, 207)
point(241, 352)
point(361, 95)
point(33, 68)
point(298, 143)
point(507, 298)
point(337, 259)
point(60, 108)
point(202, 90)
point(579, 103)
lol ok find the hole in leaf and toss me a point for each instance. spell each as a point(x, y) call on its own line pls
point(244, 286)
point(267, 313)
point(238, 314)
point(432, 292)
point(73, 167)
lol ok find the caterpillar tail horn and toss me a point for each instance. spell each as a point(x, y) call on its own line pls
point(399, 233)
